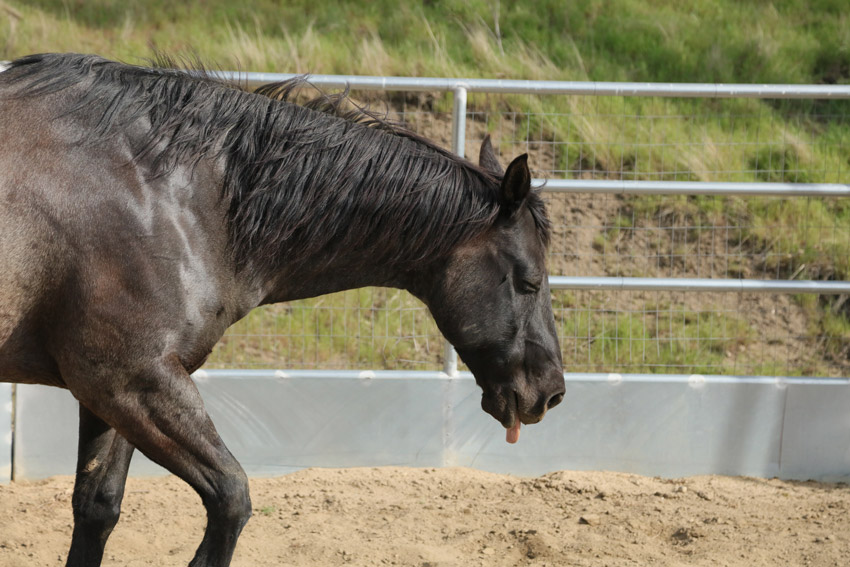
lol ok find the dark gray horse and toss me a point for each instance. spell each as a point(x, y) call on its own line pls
point(143, 211)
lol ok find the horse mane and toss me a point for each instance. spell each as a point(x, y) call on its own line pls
point(322, 176)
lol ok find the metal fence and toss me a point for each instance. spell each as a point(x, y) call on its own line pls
point(697, 229)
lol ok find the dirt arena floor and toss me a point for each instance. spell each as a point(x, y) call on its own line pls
point(457, 517)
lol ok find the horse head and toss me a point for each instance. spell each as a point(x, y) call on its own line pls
point(491, 300)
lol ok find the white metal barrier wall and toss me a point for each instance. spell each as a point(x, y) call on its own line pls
point(276, 422)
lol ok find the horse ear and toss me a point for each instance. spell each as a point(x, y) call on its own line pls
point(516, 184)
point(487, 158)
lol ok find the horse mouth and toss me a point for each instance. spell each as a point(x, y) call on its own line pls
point(505, 408)
point(508, 409)
point(511, 415)
point(511, 421)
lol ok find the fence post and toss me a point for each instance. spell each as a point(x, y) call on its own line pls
point(458, 143)
point(7, 414)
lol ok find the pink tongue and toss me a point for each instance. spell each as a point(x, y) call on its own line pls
point(512, 435)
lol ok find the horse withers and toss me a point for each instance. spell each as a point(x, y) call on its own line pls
point(143, 211)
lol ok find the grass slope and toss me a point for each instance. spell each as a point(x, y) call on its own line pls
point(784, 41)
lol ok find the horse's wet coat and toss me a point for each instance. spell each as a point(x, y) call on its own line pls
point(143, 211)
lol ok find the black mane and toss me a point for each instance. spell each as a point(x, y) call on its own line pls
point(301, 179)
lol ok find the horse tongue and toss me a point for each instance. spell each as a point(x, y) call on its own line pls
point(512, 435)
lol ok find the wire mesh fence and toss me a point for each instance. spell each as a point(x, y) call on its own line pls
point(626, 138)
point(692, 333)
point(370, 328)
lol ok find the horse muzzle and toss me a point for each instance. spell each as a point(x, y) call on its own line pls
point(509, 405)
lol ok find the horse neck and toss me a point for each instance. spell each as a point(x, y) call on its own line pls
point(334, 275)
point(384, 219)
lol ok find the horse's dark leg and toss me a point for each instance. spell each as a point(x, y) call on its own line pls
point(102, 462)
point(161, 413)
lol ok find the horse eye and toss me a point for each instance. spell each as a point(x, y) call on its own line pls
point(529, 286)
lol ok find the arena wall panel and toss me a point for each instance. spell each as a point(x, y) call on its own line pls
point(669, 426)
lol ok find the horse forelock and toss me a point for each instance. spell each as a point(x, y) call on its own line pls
point(321, 178)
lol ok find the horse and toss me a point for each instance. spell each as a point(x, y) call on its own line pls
point(145, 210)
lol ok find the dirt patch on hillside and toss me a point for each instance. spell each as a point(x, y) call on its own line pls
point(457, 517)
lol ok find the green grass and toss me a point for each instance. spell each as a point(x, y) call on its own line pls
point(267, 510)
point(782, 41)
point(790, 41)
point(364, 328)
point(649, 337)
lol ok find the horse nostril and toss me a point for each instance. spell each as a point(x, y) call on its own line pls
point(554, 401)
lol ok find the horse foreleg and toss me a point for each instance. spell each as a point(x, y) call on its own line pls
point(102, 462)
point(161, 413)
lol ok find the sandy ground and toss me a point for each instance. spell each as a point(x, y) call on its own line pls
point(458, 517)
